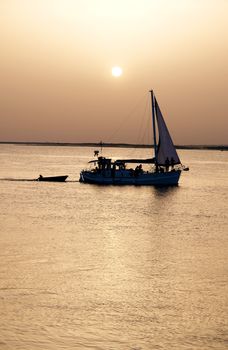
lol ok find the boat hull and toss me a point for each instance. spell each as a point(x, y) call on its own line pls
point(170, 178)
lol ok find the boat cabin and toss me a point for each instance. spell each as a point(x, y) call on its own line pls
point(103, 164)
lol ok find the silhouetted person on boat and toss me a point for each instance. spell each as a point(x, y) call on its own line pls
point(40, 177)
point(167, 164)
point(172, 163)
point(113, 170)
point(138, 170)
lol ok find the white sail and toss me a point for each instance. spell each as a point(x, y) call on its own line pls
point(166, 147)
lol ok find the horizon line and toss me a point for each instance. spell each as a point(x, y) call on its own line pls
point(112, 144)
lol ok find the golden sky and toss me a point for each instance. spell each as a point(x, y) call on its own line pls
point(56, 58)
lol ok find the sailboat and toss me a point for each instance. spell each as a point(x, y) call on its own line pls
point(166, 165)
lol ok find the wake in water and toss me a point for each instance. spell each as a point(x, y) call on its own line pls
point(15, 179)
point(12, 179)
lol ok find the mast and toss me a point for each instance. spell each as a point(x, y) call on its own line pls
point(154, 126)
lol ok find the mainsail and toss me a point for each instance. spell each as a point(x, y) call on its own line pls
point(165, 149)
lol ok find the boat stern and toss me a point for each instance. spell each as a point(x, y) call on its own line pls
point(81, 177)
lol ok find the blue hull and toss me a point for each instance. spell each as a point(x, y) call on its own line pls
point(154, 179)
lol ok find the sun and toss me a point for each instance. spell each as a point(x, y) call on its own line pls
point(117, 71)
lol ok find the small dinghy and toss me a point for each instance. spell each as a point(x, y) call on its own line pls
point(61, 178)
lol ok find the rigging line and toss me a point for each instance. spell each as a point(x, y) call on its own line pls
point(124, 120)
point(143, 125)
point(149, 136)
point(145, 136)
point(145, 120)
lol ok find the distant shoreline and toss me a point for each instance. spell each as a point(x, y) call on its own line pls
point(105, 144)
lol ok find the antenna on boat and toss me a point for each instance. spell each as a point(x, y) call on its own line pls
point(154, 126)
point(101, 145)
point(96, 152)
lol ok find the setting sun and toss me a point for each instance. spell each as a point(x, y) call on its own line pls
point(117, 71)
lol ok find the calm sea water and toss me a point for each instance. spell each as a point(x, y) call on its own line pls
point(129, 268)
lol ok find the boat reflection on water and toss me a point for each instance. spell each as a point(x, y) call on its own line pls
point(165, 191)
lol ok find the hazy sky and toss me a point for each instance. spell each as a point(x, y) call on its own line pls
point(56, 58)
